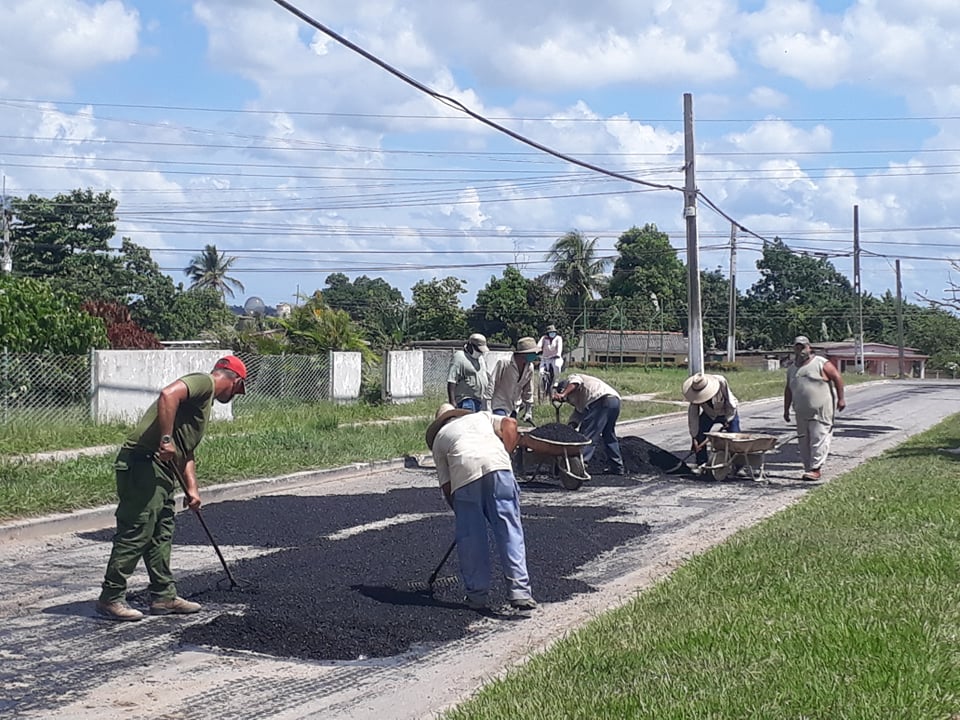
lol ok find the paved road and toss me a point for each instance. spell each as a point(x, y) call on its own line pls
point(348, 545)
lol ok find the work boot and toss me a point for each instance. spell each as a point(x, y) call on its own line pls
point(176, 606)
point(523, 604)
point(118, 610)
point(475, 603)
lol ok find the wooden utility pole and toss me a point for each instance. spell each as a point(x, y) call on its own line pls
point(900, 374)
point(695, 319)
point(6, 256)
point(861, 365)
point(732, 316)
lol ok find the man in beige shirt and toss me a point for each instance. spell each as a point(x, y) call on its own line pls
point(712, 402)
point(511, 382)
point(472, 455)
point(597, 407)
point(814, 388)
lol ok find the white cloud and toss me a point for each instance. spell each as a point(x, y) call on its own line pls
point(46, 46)
point(767, 98)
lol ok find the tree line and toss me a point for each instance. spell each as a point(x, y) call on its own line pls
point(64, 269)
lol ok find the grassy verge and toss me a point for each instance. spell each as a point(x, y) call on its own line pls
point(845, 606)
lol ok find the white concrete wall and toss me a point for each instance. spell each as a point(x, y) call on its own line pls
point(403, 375)
point(345, 374)
point(126, 382)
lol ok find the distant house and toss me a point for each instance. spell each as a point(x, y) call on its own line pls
point(631, 347)
point(878, 358)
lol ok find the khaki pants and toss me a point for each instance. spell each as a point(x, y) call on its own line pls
point(145, 521)
point(814, 438)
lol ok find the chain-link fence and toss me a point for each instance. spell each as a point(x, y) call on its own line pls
point(37, 389)
point(436, 368)
point(277, 380)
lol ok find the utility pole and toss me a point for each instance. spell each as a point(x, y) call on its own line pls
point(6, 262)
point(900, 374)
point(861, 365)
point(732, 318)
point(695, 319)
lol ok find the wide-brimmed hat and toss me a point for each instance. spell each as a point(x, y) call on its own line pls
point(526, 345)
point(551, 328)
point(444, 413)
point(480, 341)
point(700, 387)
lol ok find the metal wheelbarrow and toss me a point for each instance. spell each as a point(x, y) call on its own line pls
point(563, 460)
point(728, 451)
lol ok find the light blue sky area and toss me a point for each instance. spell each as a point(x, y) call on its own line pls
point(353, 171)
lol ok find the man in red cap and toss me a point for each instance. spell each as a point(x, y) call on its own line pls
point(169, 431)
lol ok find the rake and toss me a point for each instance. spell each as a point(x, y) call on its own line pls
point(432, 580)
point(173, 470)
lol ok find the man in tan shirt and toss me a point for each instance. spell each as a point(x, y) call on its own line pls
point(472, 455)
point(511, 381)
point(597, 407)
point(815, 389)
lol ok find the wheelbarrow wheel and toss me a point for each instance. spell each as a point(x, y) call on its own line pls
point(569, 481)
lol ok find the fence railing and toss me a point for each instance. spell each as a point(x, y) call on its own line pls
point(38, 389)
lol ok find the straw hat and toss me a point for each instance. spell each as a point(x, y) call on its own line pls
point(526, 345)
point(550, 329)
point(444, 412)
point(700, 387)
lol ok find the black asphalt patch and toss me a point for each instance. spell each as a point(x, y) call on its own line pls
point(355, 597)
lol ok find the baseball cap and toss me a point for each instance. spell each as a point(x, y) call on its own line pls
point(479, 340)
point(801, 340)
point(234, 364)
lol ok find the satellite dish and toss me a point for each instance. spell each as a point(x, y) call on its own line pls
point(254, 306)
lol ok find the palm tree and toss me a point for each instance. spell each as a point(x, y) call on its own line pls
point(577, 272)
point(209, 270)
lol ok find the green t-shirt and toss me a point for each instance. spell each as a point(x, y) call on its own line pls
point(188, 425)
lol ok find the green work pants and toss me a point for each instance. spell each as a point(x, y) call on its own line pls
point(145, 520)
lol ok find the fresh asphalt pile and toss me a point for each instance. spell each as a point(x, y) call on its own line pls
point(642, 457)
point(321, 595)
point(558, 432)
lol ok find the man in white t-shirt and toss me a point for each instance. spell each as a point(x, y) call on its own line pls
point(472, 455)
point(551, 354)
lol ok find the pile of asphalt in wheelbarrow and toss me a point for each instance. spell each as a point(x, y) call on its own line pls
point(558, 432)
point(335, 584)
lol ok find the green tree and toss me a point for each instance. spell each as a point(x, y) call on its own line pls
point(647, 264)
point(511, 307)
point(64, 236)
point(436, 313)
point(375, 305)
point(210, 269)
point(35, 319)
point(315, 328)
point(796, 294)
point(578, 272)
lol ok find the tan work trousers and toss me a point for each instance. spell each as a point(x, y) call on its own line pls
point(814, 438)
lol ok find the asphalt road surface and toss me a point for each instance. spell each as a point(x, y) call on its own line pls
point(333, 622)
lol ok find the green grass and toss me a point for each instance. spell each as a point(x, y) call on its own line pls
point(845, 606)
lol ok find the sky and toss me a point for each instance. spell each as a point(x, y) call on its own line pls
point(237, 124)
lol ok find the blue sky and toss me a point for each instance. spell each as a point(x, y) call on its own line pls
point(232, 122)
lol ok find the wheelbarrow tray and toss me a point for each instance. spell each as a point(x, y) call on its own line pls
point(551, 447)
point(567, 457)
point(742, 443)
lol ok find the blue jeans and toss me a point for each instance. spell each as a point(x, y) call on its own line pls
point(471, 404)
point(503, 413)
point(706, 423)
point(600, 424)
point(494, 499)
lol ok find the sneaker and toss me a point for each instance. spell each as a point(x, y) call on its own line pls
point(475, 603)
point(811, 475)
point(118, 610)
point(523, 604)
point(613, 471)
point(176, 606)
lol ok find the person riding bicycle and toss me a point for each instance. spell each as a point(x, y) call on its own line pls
point(551, 356)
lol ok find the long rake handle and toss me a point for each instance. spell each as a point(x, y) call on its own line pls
point(443, 562)
point(175, 471)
